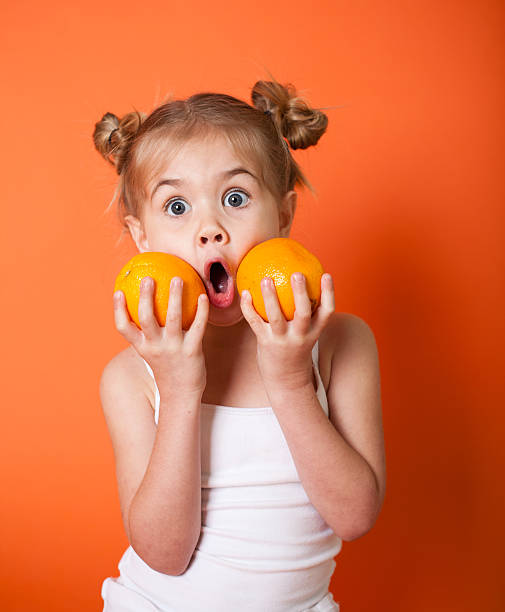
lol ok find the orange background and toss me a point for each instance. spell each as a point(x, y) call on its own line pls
point(409, 219)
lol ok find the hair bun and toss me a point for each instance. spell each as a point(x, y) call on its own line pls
point(298, 122)
point(112, 136)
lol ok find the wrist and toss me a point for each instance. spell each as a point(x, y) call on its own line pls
point(291, 380)
point(170, 387)
point(179, 395)
point(289, 387)
point(290, 372)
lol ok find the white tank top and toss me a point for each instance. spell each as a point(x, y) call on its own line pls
point(263, 546)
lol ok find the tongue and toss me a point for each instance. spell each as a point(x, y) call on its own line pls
point(219, 280)
point(221, 299)
point(221, 289)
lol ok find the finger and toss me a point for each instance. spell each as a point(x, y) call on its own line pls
point(303, 309)
point(276, 317)
point(122, 320)
point(327, 292)
point(147, 320)
point(250, 315)
point(174, 311)
point(327, 306)
point(197, 329)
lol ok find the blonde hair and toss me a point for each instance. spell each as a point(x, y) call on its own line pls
point(136, 144)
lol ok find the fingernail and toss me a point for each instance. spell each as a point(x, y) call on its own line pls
point(298, 276)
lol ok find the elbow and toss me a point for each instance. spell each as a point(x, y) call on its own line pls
point(171, 558)
point(360, 521)
point(179, 568)
point(168, 568)
point(171, 565)
point(356, 531)
point(170, 554)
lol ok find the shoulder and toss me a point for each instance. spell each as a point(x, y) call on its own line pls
point(346, 337)
point(344, 327)
point(352, 362)
point(351, 354)
point(125, 375)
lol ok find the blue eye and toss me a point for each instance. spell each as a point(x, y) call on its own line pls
point(176, 208)
point(236, 198)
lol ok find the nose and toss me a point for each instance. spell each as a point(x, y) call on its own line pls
point(214, 233)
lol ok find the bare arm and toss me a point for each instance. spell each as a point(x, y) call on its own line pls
point(165, 514)
point(341, 460)
point(158, 467)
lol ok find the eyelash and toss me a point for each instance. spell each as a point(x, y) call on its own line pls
point(174, 199)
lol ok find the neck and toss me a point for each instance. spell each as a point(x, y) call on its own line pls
point(228, 337)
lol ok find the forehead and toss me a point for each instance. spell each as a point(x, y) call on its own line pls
point(202, 158)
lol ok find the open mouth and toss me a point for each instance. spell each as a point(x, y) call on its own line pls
point(219, 283)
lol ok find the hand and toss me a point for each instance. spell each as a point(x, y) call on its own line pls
point(175, 356)
point(284, 349)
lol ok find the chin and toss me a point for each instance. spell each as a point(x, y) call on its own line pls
point(224, 319)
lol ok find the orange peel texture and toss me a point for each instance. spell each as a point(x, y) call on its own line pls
point(162, 267)
point(279, 258)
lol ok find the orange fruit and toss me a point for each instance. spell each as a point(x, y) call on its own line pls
point(162, 267)
point(279, 258)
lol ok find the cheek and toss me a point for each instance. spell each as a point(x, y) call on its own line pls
point(268, 229)
point(266, 224)
point(157, 238)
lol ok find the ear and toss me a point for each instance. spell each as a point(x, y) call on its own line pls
point(137, 233)
point(287, 213)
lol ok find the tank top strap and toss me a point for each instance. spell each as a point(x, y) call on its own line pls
point(315, 354)
point(156, 392)
point(321, 393)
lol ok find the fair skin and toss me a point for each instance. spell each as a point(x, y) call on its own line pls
point(230, 356)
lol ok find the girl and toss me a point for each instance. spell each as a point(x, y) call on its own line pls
point(245, 451)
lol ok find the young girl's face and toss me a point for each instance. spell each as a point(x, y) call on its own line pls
point(208, 206)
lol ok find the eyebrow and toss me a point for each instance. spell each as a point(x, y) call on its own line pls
point(224, 175)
